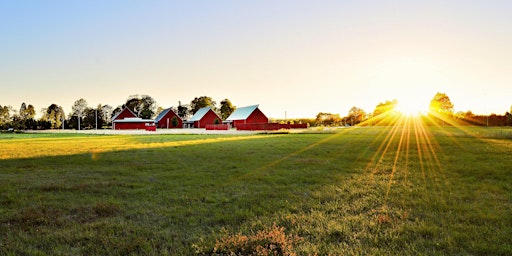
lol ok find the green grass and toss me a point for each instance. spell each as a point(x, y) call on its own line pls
point(341, 193)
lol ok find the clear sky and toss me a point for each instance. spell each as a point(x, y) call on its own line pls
point(302, 57)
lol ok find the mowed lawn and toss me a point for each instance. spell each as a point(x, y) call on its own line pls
point(383, 191)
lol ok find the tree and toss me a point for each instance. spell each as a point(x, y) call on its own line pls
point(79, 107)
point(133, 103)
point(174, 121)
point(508, 119)
point(5, 116)
point(92, 117)
point(31, 124)
point(183, 111)
point(327, 119)
point(24, 118)
point(384, 107)
point(440, 108)
point(226, 108)
point(116, 111)
point(23, 108)
point(148, 106)
point(106, 113)
point(30, 112)
point(54, 114)
point(441, 104)
point(201, 102)
point(355, 116)
point(78, 110)
point(43, 125)
point(143, 106)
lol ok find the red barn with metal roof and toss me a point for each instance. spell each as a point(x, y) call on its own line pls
point(127, 120)
point(204, 116)
point(168, 119)
point(247, 115)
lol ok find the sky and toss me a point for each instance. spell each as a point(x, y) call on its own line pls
point(295, 58)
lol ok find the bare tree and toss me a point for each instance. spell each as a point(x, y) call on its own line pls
point(78, 109)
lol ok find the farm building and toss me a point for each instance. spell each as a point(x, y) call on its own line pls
point(126, 112)
point(133, 123)
point(127, 120)
point(204, 116)
point(168, 119)
point(247, 115)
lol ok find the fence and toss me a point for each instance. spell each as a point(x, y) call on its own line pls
point(222, 127)
point(269, 127)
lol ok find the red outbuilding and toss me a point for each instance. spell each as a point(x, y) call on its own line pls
point(168, 119)
point(247, 115)
point(127, 120)
point(204, 116)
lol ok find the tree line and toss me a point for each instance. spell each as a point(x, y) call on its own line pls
point(441, 112)
point(83, 116)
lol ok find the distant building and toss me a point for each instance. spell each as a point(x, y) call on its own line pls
point(168, 119)
point(247, 115)
point(204, 116)
point(127, 120)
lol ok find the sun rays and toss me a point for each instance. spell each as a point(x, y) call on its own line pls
point(407, 147)
point(408, 144)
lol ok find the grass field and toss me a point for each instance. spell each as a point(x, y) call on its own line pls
point(384, 191)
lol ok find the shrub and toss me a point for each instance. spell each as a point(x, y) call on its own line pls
point(270, 241)
point(174, 122)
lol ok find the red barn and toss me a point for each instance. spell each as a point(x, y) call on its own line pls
point(168, 119)
point(127, 120)
point(203, 117)
point(247, 115)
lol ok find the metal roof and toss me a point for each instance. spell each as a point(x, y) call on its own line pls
point(242, 113)
point(199, 114)
point(133, 120)
point(162, 114)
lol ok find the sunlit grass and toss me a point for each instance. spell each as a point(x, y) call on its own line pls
point(64, 145)
point(406, 188)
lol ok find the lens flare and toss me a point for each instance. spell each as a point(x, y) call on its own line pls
point(411, 107)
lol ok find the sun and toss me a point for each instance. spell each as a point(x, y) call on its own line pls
point(411, 107)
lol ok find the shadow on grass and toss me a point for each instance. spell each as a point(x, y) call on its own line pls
point(168, 197)
point(165, 200)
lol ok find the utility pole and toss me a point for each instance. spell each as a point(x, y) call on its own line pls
point(96, 119)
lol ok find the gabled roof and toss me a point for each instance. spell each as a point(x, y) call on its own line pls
point(124, 109)
point(199, 114)
point(242, 113)
point(163, 114)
